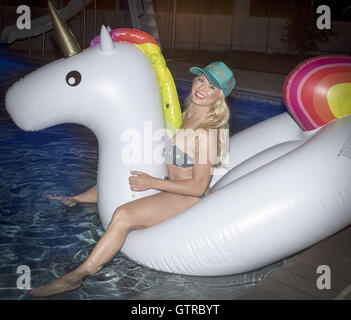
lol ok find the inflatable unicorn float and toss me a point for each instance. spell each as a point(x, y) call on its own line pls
point(289, 179)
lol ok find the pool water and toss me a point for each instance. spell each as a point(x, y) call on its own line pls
point(52, 239)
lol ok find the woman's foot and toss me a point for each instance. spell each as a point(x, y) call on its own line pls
point(68, 201)
point(89, 196)
point(68, 282)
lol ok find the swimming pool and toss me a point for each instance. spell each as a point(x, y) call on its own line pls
point(53, 239)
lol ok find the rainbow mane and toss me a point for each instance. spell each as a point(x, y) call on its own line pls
point(148, 45)
point(318, 90)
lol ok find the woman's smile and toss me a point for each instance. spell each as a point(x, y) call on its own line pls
point(199, 95)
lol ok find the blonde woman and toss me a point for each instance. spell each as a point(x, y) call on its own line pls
point(191, 156)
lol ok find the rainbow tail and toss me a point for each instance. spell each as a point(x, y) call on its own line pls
point(319, 90)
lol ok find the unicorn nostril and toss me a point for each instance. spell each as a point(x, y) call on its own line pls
point(73, 78)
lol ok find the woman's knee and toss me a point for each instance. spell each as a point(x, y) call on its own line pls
point(123, 217)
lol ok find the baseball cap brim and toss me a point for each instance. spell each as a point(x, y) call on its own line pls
point(198, 71)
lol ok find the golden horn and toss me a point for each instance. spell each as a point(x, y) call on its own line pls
point(67, 42)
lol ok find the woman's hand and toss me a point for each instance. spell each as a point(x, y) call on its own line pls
point(140, 181)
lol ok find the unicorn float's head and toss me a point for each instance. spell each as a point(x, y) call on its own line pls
point(118, 64)
point(119, 84)
point(85, 88)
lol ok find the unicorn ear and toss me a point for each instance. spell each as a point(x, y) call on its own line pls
point(106, 42)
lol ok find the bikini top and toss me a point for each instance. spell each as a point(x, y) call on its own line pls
point(176, 156)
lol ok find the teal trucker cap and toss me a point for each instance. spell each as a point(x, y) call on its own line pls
point(219, 75)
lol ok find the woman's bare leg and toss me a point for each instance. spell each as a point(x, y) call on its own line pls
point(138, 214)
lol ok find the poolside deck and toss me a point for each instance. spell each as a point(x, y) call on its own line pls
point(297, 279)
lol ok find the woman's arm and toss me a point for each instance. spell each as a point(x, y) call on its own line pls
point(191, 187)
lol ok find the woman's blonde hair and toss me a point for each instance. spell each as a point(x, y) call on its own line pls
point(217, 120)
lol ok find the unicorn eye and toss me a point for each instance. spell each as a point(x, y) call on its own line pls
point(73, 78)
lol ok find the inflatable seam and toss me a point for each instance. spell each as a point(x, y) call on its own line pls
point(346, 148)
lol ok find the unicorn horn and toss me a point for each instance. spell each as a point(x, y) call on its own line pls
point(67, 42)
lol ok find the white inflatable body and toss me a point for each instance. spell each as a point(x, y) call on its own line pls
point(287, 189)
